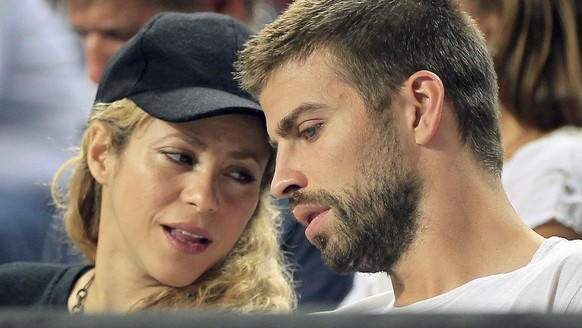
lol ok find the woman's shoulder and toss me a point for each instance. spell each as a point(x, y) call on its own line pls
point(565, 138)
point(561, 148)
point(35, 270)
point(24, 284)
point(569, 137)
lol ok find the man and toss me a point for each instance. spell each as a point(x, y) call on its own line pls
point(384, 117)
point(104, 26)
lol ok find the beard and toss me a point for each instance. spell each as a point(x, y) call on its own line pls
point(375, 221)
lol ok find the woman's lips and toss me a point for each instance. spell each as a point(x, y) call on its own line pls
point(187, 239)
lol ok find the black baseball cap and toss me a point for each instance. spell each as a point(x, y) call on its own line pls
point(179, 67)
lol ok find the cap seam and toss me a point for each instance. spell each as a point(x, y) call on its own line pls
point(143, 52)
point(233, 31)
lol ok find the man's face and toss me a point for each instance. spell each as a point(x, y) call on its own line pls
point(341, 167)
point(104, 26)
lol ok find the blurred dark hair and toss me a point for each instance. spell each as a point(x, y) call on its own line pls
point(538, 60)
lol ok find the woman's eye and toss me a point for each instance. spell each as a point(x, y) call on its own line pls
point(180, 158)
point(311, 132)
point(242, 177)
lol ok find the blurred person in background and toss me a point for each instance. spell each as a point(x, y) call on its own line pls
point(105, 25)
point(536, 48)
point(45, 98)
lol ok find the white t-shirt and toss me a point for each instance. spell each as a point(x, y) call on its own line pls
point(550, 283)
point(367, 284)
point(543, 180)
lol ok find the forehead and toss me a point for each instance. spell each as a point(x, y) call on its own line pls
point(110, 13)
point(300, 91)
point(224, 131)
point(108, 4)
point(304, 82)
point(304, 78)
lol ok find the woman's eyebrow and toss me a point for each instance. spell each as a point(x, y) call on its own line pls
point(240, 154)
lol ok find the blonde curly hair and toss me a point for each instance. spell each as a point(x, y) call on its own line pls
point(253, 277)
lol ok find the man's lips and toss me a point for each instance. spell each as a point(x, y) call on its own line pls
point(307, 213)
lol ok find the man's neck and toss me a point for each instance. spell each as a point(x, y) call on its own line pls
point(468, 230)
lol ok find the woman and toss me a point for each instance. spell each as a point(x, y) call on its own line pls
point(168, 198)
point(536, 49)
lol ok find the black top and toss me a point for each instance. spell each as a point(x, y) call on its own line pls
point(38, 285)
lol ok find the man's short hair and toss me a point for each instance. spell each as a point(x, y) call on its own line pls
point(376, 45)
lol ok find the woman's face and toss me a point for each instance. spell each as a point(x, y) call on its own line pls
point(176, 200)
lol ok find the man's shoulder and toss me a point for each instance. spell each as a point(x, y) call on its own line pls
point(561, 264)
point(558, 257)
point(559, 249)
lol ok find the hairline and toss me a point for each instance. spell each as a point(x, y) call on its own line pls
point(335, 63)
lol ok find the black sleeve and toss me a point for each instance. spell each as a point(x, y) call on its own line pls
point(37, 284)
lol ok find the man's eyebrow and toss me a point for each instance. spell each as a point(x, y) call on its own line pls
point(122, 33)
point(288, 122)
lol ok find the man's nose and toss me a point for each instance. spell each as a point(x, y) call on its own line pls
point(288, 176)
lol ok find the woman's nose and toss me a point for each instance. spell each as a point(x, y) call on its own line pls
point(201, 192)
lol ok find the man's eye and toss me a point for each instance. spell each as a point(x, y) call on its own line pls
point(180, 158)
point(311, 132)
point(242, 177)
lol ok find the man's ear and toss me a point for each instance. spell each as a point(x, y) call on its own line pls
point(99, 152)
point(425, 91)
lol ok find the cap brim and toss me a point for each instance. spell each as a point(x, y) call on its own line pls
point(193, 103)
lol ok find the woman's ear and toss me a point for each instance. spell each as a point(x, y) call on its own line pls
point(426, 93)
point(99, 152)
